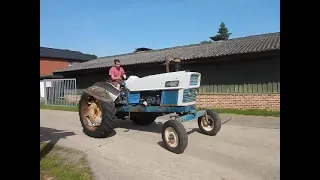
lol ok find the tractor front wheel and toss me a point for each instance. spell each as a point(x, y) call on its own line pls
point(174, 136)
point(97, 117)
point(210, 124)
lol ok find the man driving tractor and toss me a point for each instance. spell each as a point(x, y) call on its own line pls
point(116, 73)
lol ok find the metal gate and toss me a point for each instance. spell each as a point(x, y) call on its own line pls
point(60, 92)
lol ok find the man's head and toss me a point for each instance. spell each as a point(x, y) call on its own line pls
point(117, 63)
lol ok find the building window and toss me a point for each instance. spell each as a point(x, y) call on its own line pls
point(70, 64)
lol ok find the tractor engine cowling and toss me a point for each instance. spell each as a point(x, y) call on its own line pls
point(169, 89)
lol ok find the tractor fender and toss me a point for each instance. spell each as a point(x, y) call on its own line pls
point(103, 91)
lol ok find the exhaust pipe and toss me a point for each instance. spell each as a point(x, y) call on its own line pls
point(167, 64)
point(176, 64)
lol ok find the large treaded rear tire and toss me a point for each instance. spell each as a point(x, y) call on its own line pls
point(107, 121)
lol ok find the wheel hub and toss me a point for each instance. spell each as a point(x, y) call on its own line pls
point(92, 112)
point(207, 123)
point(171, 137)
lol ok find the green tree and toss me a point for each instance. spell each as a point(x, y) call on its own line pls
point(223, 33)
point(205, 42)
point(92, 55)
point(142, 49)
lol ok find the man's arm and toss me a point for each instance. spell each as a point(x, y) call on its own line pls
point(123, 74)
point(113, 77)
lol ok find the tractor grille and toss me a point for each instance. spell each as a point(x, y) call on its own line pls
point(194, 80)
point(189, 95)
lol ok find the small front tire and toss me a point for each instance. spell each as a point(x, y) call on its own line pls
point(213, 127)
point(174, 136)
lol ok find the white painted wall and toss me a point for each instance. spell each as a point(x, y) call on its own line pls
point(41, 89)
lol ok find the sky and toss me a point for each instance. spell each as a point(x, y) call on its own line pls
point(105, 27)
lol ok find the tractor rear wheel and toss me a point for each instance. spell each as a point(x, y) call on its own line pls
point(174, 136)
point(212, 126)
point(97, 117)
point(143, 119)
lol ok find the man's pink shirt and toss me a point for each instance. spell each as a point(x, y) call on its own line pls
point(115, 72)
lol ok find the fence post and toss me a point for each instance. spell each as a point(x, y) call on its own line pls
point(45, 92)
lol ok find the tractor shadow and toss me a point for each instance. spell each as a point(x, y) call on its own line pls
point(155, 127)
point(52, 136)
point(128, 125)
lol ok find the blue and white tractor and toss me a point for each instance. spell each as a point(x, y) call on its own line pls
point(144, 99)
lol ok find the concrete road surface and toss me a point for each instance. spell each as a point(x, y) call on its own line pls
point(246, 148)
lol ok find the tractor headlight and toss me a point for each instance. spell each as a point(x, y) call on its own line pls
point(172, 84)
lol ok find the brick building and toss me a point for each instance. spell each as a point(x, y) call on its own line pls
point(240, 73)
point(56, 59)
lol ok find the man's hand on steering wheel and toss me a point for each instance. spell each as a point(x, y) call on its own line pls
point(123, 76)
point(118, 80)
